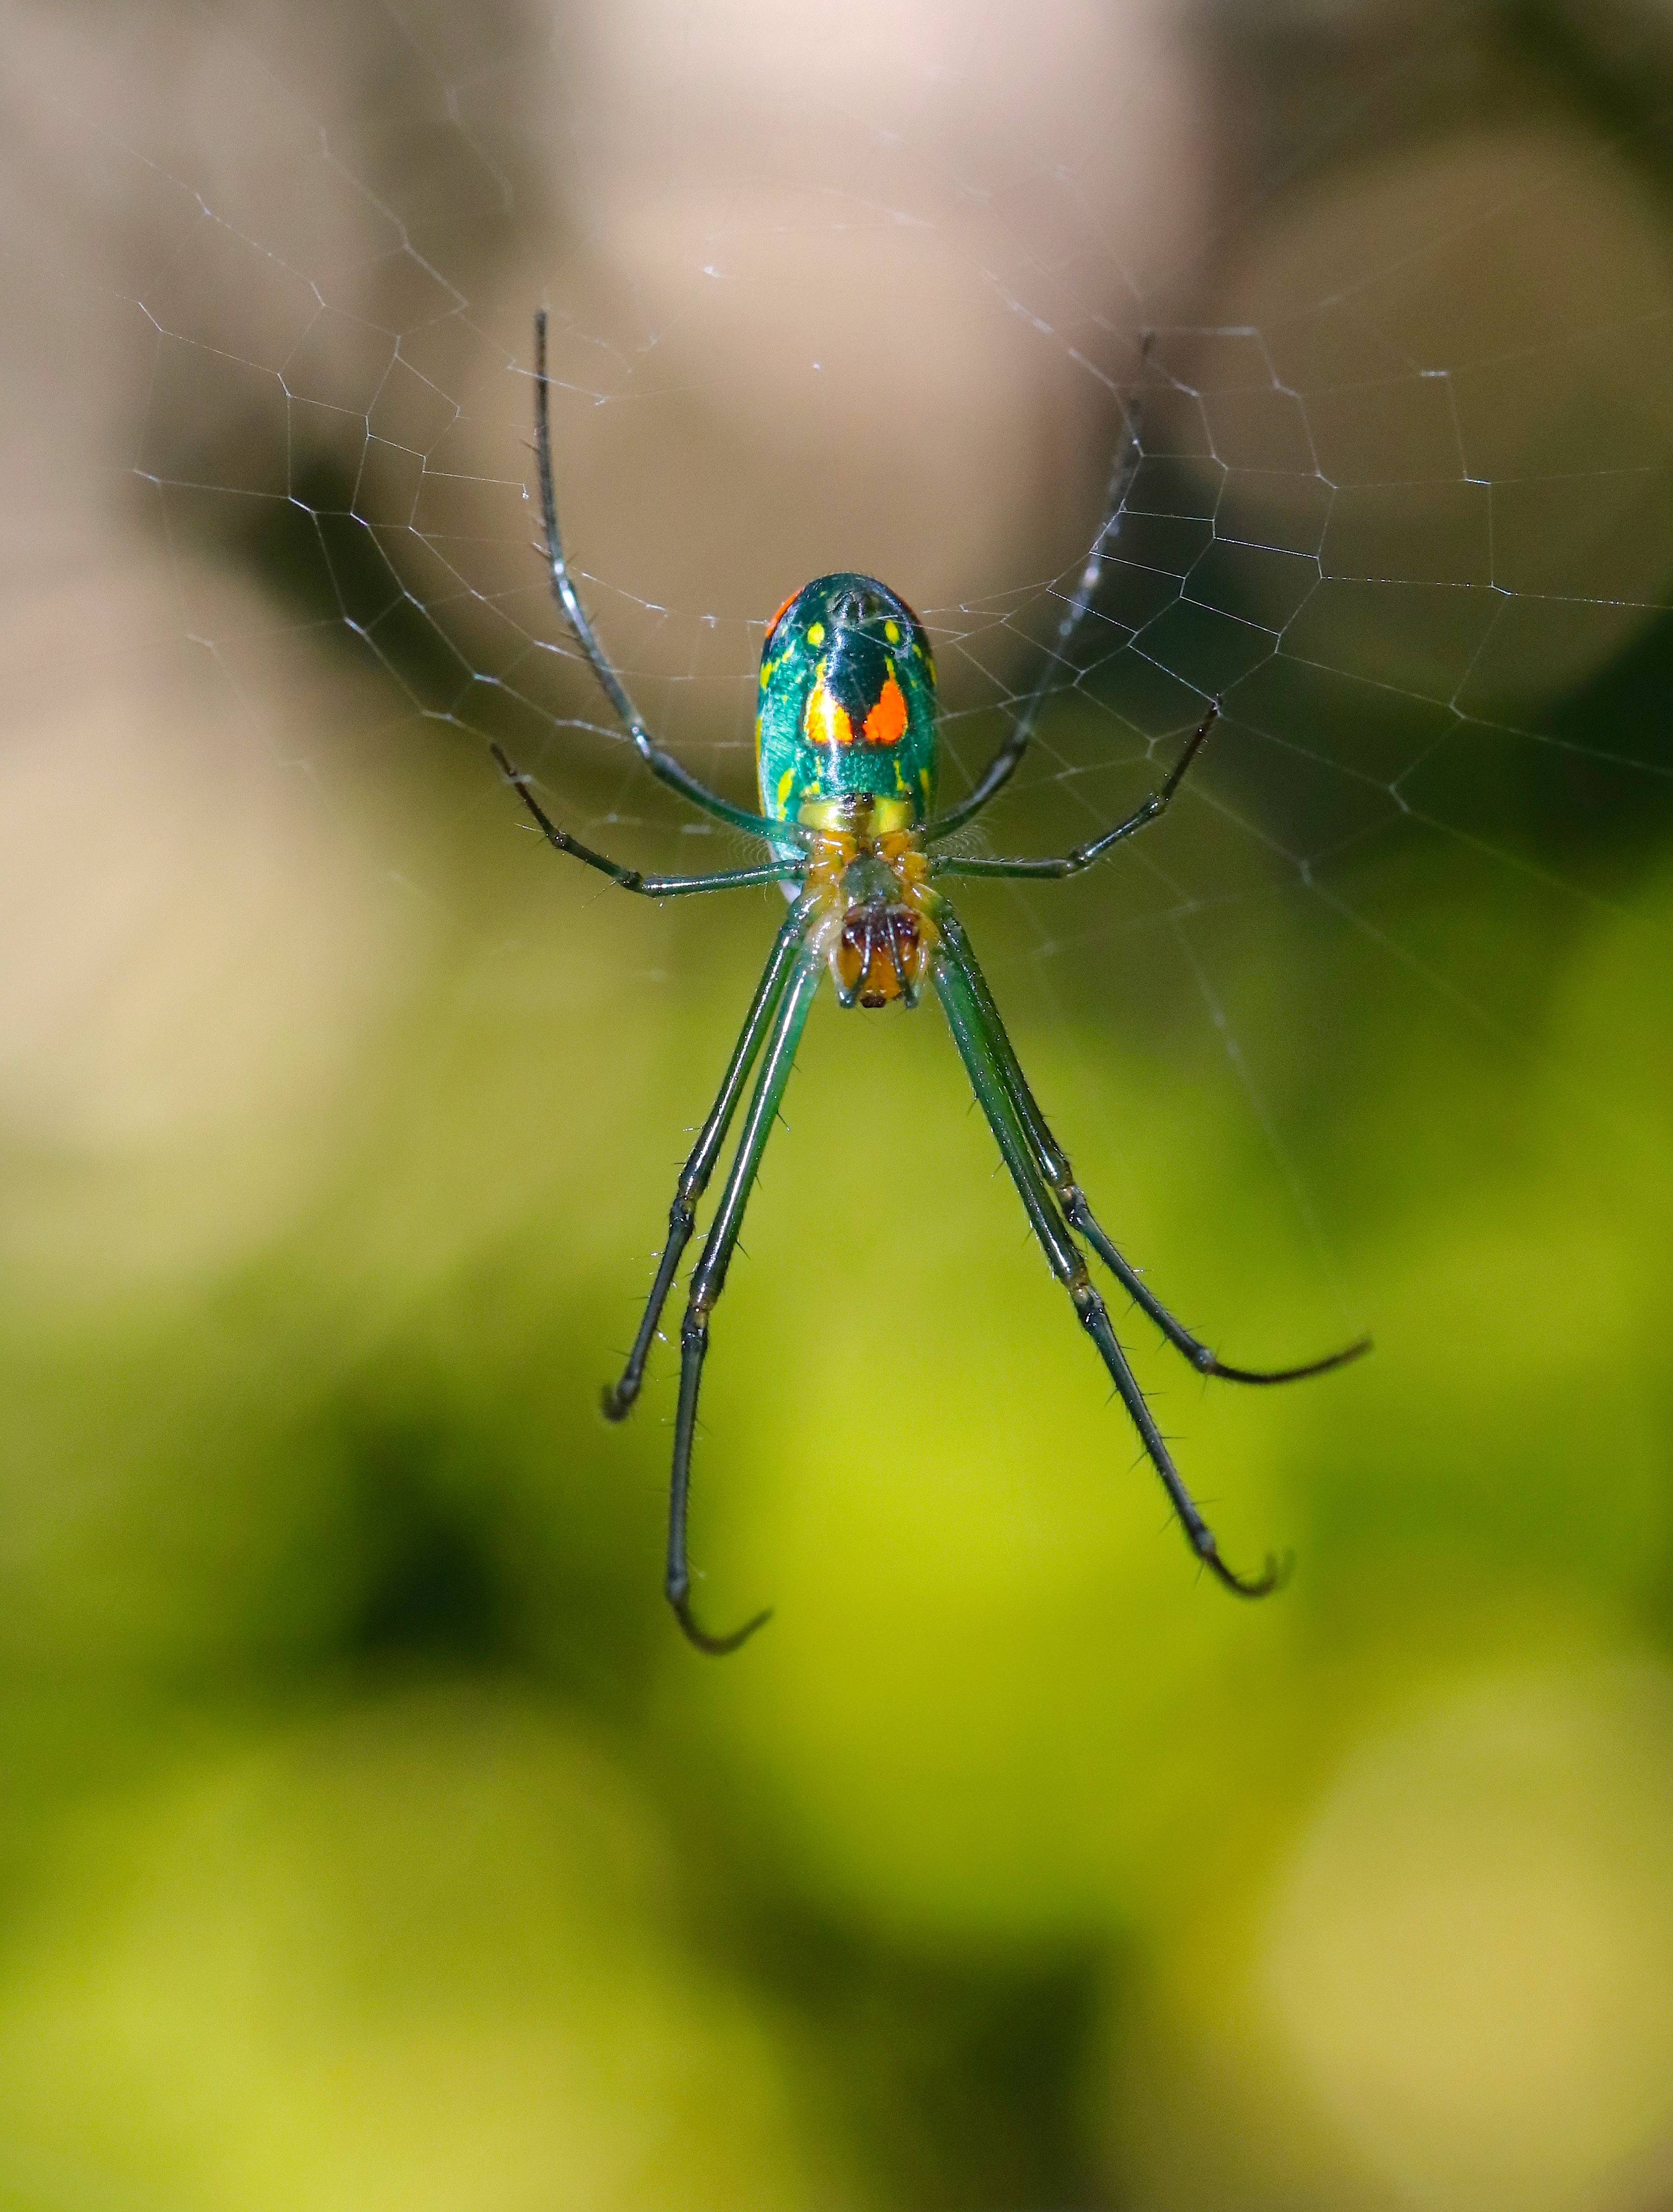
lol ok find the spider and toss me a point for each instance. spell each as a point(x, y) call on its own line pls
point(846, 753)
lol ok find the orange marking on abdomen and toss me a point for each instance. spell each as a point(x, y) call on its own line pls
point(826, 723)
point(886, 724)
point(778, 617)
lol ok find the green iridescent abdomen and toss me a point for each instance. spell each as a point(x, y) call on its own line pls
point(847, 701)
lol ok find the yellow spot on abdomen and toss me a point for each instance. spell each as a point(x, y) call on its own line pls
point(815, 634)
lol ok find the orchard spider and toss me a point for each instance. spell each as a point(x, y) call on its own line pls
point(846, 752)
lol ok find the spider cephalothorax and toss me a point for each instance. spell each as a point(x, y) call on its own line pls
point(873, 920)
point(847, 751)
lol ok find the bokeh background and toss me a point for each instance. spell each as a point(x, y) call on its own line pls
point(368, 1836)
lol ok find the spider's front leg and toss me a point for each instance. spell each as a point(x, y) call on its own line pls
point(620, 1395)
point(1053, 1164)
point(977, 1032)
point(708, 1280)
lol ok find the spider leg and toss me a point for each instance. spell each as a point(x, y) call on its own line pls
point(708, 1280)
point(662, 765)
point(975, 1031)
point(1201, 1357)
point(695, 1176)
point(1070, 864)
point(1053, 1163)
point(722, 879)
point(999, 770)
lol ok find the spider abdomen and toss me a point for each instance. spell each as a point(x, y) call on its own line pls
point(847, 701)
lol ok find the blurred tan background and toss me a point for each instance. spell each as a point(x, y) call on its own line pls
point(368, 1835)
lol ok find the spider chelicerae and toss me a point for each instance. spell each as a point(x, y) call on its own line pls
point(846, 749)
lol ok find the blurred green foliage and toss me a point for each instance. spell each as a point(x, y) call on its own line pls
point(368, 1836)
point(375, 1838)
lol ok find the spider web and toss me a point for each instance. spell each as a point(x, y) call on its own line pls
point(1384, 299)
point(1384, 296)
